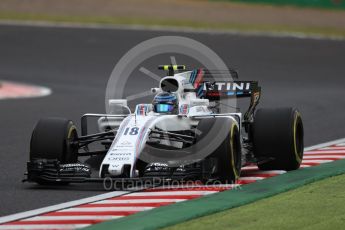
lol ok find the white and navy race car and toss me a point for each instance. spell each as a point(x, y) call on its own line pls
point(181, 135)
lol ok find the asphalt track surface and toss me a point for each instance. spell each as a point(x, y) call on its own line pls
point(76, 64)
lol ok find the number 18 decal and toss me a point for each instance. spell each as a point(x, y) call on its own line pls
point(131, 131)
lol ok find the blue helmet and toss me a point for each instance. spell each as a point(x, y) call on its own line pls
point(165, 103)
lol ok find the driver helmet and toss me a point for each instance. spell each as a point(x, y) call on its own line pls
point(165, 103)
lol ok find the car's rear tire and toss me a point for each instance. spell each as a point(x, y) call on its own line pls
point(51, 139)
point(228, 154)
point(278, 138)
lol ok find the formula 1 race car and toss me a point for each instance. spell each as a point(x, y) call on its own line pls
point(181, 135)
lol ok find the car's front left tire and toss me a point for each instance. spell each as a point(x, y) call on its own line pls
point(228, 152)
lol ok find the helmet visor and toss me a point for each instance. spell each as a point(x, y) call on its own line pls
point(164, 108)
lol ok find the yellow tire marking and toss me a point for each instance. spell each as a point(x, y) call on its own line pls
point(71, 129)
point(232, 151)
point(298, 158)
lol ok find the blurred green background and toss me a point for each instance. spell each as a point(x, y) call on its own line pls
point(316, 18)
point(330, 4)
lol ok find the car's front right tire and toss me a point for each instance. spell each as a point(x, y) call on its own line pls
point(52, 139)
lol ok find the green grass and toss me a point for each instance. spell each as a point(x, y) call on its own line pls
point(318, 4)
point(151, 22)
point(320, 205)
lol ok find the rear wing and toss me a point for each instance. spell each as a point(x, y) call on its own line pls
point(212, 85)
point(226, 89)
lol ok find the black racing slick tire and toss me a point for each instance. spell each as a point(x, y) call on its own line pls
point(278, 139)
point(51, 139)
point(227, 155)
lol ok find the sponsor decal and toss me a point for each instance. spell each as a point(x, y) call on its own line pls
point(126, 143)
point(120, 154)
point(121, 149)
point(184, 109)
point(223, 89)
point(227, 86)
point(118, 158)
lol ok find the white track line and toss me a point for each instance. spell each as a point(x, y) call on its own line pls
point(310, 156)
point(39, 211)
point(198, 186)
point(250, 168)
point(105, 209)
point(44, 226)
point(36, 218)
point(324, 152)
point(170, 193)
point(40, 226)
point(316, 161)
point(266, 172)
point(339, 142)
point(304, 166)
point(333, 148)
point(252, 178)
point(139, 201)
point(298, 35)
